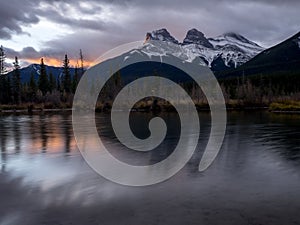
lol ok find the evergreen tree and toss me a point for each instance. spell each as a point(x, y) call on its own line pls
point(66, 73)
point(58, 85)
point(75, 79)
point(4, 87)
point(2, 61)
point(24, 92)
point(81, 63)
point(32, 87)
point(6, 91)
point(43, 82)
point(16, 86)
point(52, 82)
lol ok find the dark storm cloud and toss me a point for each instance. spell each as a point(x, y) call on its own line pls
point(264, 21)
point(27, 52)
point(80, 23)
point(249, 17)
point(14, 14)
point(59, 12)
point(92, 43)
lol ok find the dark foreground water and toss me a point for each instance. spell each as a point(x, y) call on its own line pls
point(255, 179)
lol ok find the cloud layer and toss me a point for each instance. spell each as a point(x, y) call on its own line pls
point(97, 26)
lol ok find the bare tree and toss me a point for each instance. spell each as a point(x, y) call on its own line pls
point(81, 62)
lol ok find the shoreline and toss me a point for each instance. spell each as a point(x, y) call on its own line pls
point(142, 110)
point(34, 110)
point(284, 112)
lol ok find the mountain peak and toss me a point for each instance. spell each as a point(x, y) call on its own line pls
point(161, 35)
point(225, 51)
point(231, 34)
point(195, 36)
point(239, 38)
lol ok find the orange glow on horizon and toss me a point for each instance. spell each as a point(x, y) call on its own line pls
point(58, 62)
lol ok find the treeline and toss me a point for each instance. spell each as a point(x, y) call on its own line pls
point(254, 91)
point(47, 90)
point(262, 90)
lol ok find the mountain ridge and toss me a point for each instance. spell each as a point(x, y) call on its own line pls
point(224, 56)
point(34, 69)
point(229, 50)
point(281, 58)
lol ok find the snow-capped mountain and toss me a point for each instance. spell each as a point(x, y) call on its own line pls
point(225, 51)
point(282, 59)
point(235, 49)
point(162, 35)
point(194, 36)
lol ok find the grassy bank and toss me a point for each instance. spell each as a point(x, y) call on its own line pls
point(164, 106)
point(288, 106)
point(35, 107)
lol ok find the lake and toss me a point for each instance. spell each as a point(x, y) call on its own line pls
point(254, 180)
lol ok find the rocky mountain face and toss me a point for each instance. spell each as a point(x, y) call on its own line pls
point(162, 35)
point(229, 50)
point(283, 58)
point(194, 36)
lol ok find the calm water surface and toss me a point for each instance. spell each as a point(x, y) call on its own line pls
point(255, 179)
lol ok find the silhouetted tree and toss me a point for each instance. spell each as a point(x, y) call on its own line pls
point(52, 82)
point(67, 85)
point(5, 89)
point(16, 85)
point(43, 82)
point(81, 63)
point(58, 84)
point(75, 79)
point(32, 88)
point(2, 61)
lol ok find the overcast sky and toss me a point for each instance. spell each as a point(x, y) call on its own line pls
point(32, 29)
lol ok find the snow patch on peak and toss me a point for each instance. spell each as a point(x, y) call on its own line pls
point(236, 36)
point(125, 58)
point(233, 38)
point(170, 49)
point(36, 67)
point(236, 47)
